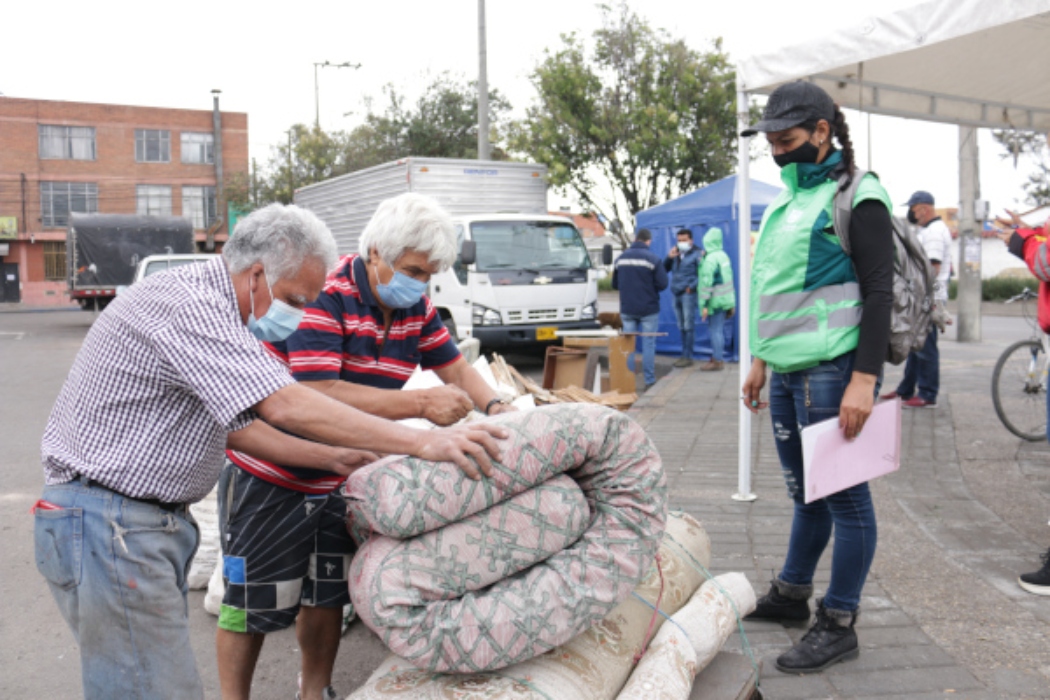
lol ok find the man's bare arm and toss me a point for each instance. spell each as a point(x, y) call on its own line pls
point(303, 411)
point(265, 442)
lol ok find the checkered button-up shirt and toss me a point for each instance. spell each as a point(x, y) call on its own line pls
point(164, 374)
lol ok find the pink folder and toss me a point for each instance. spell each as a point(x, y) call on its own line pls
point(831, 463)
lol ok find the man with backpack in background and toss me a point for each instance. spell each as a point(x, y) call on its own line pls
point(682, 262)
point(921, 382)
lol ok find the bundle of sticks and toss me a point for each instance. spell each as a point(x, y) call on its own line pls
point(507, 374)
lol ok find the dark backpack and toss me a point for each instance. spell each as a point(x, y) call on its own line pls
point(913, 277)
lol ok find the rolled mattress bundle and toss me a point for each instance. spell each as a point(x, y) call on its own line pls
point(593, 665)
point(463, 576)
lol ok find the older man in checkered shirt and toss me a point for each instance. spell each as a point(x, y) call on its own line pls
point(170, 374)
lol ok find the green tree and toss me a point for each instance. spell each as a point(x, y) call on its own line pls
point(442, 123)
point(1036, 147)
point(641, 114)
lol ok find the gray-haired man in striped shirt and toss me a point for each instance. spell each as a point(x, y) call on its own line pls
point(169, 374)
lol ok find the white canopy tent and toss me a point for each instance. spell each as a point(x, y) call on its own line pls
point(974, 63)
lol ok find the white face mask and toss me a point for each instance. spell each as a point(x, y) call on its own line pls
point(684, 246)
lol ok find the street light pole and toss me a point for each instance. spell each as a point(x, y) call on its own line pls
point(317, 89)
point(484, 151)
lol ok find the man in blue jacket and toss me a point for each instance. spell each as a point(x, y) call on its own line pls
point(640, 276)
point(682, 262)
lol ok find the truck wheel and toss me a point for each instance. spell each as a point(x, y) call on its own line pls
point(451, 326)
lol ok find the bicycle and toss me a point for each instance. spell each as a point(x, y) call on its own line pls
point(1019, 381)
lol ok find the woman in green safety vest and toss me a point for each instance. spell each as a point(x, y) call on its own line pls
point(820, 320)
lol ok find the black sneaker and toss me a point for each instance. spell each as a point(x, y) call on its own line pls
point(1037, 582)
point(830, 640)
point(785, 603)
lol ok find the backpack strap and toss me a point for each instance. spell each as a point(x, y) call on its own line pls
point(843, 206)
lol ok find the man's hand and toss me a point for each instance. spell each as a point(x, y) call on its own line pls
point(1014, 221)
point(730, 313)
point(857, 403)
point(461, 445)
point(703, 315)
point(498, 408)
point(673, 252)
point(346, 460)
point(444, 405)
point(752, 390)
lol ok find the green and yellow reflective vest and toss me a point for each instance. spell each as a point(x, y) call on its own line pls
point(805, 300)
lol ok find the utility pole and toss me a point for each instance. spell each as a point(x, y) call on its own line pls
point(291, 173)
point(216, 119)
point(484, 150)
point(317, 89)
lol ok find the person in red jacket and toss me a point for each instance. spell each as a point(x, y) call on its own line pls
point(1030, 245)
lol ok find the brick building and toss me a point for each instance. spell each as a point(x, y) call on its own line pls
point(61, 157)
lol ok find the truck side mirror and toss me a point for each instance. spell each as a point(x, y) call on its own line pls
point(468, 253)
point(607, 254)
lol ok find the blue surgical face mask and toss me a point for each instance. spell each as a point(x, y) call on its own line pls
point(684, 246)
point(401, 292)
point(279, 322)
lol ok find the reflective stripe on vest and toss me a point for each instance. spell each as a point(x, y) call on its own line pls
point(789, 302)
point(803, 305)
point(720, 289)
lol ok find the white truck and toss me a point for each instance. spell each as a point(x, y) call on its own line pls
point(522, 273)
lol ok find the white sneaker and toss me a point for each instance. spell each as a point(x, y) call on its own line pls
point(327, 694)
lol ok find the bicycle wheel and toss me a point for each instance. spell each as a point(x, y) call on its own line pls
point(1019, 389)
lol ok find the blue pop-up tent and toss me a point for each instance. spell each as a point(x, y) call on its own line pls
point(698, 211)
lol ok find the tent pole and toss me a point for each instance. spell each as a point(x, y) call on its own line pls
point(969, 294)
point(743, 242)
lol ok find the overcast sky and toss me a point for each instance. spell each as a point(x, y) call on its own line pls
point(261, 56)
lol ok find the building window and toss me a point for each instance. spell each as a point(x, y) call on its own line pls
point(154, 200)
point(152, 145)
point(67, 142)
point(198, 205)
point(54, 260)
point(197, 147)
point(58, 199)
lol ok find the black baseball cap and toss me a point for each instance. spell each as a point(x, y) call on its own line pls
point(792, 104)
point(920, 197)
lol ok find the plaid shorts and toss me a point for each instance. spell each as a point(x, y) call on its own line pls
point(281, 549)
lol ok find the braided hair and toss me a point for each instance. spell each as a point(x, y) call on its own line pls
point(841, 130)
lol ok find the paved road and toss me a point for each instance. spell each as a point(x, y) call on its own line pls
point(941, 612)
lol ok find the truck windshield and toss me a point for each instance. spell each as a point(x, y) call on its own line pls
point(504, 245)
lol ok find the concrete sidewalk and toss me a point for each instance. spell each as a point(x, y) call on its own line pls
point(942, 614)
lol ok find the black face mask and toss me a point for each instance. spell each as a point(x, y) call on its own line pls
point(912, 219)
point(806, 153)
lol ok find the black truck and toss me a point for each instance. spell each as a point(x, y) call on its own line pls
point(103, 251)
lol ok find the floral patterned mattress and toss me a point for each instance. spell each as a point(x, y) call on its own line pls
point(463, 576)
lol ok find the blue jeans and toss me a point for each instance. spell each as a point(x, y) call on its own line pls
point(716, 328)
point(117, 569)
point(923, 370)
point(685, 311)
point(645, 324)
point(798, 399)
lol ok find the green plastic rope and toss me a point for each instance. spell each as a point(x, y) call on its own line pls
point(739, 619)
